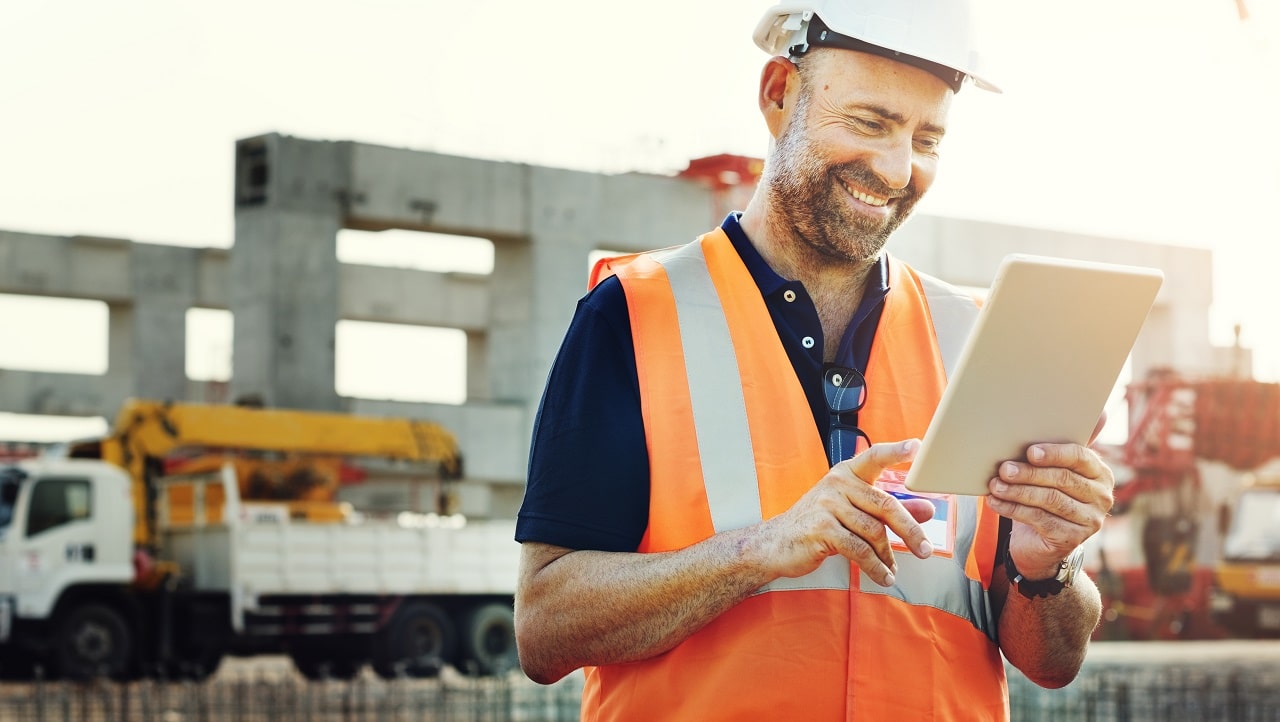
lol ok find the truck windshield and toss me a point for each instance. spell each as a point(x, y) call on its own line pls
point(1255, 527)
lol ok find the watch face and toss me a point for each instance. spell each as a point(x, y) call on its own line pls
point(1071, 566)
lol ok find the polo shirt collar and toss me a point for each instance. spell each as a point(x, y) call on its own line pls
point(770, 282)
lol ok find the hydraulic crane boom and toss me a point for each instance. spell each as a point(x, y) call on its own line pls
point(146, 431)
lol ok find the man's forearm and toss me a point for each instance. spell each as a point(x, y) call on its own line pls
point(1047, 637)
point(583, 608)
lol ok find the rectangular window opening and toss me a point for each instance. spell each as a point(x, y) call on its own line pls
point(399, 362)
point(210, 332)
point(61, 335)
point(416, 250)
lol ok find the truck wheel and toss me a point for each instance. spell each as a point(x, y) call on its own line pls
point(489, 640)
point(417, 642)
point(93, 640)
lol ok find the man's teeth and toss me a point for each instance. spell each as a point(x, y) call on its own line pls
point(865, 198)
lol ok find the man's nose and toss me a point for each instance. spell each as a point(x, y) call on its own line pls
point(893, 164)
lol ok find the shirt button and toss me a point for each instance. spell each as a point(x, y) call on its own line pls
point(789, 295)
point(807, 342)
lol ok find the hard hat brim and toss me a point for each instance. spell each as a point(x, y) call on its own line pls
point(786, 25)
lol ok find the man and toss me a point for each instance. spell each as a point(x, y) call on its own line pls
point(695, 533)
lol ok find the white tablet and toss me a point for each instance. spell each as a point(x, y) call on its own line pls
point(1043, 357)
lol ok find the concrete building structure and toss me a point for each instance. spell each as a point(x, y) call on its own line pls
point(287, 290)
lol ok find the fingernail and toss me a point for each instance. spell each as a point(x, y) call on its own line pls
point(1010, 469)
point(926, 548)
point(888, 579)
point(1035, 453)
point(1001, 486)
point(910, 445)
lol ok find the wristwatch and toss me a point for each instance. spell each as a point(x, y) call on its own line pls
point(1032, 588)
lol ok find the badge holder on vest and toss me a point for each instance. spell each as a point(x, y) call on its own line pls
point(845, 390)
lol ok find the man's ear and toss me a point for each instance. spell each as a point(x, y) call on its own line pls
point(779, 84)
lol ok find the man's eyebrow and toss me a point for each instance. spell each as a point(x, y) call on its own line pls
point(898, 118)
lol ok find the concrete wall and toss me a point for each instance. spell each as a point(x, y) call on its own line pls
point(287, 290)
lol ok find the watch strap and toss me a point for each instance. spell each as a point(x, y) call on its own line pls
point(1032, 588)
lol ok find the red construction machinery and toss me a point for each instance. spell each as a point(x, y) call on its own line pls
point(1192, 549)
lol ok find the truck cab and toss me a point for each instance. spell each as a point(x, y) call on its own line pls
point(1246, 595)
point(64, 536)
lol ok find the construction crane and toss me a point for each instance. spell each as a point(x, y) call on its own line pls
point(285, 455)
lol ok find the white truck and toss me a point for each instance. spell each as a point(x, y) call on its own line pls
point(79, 597)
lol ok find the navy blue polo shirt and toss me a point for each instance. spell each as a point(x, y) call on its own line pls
point(588, 482)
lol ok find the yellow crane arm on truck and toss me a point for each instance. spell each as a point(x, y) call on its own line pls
point(145, 431)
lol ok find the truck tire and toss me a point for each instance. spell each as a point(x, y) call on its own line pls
point(93, 640)
point(489, 640)
point(417, 642)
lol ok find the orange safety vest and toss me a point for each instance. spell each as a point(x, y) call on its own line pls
point(731, 442)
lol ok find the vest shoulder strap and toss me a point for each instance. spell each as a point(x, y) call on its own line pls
point(954, 313)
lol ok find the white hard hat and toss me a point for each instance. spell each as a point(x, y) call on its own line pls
point(931, 34)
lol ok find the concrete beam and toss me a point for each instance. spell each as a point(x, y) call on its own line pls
point(395, 188)
point(54, 394)
point(66, 267)
point(424, 298)
point(103, 270)
point(416, 190)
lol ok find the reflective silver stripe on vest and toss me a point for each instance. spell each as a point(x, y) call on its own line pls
point(938, 581)
point(720, 410)
point(833, 573)
point(953, 312)
point(715, 390)
point(941, 582)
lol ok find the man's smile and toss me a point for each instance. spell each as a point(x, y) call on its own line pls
point(865, 197)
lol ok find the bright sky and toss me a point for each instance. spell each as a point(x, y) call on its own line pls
point(1143, 119)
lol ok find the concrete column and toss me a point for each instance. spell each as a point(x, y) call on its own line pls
point(478, 386)
point(120, 343)
point(569, 217)
point(164, 287)
point(290, 204)
point(511, 313)
point(535, 285)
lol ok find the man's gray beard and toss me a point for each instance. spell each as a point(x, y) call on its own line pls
point(810, 205)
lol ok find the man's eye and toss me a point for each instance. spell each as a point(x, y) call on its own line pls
point(928, 144)
point(869, 125)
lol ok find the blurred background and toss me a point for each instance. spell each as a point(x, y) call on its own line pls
point(477, 154)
